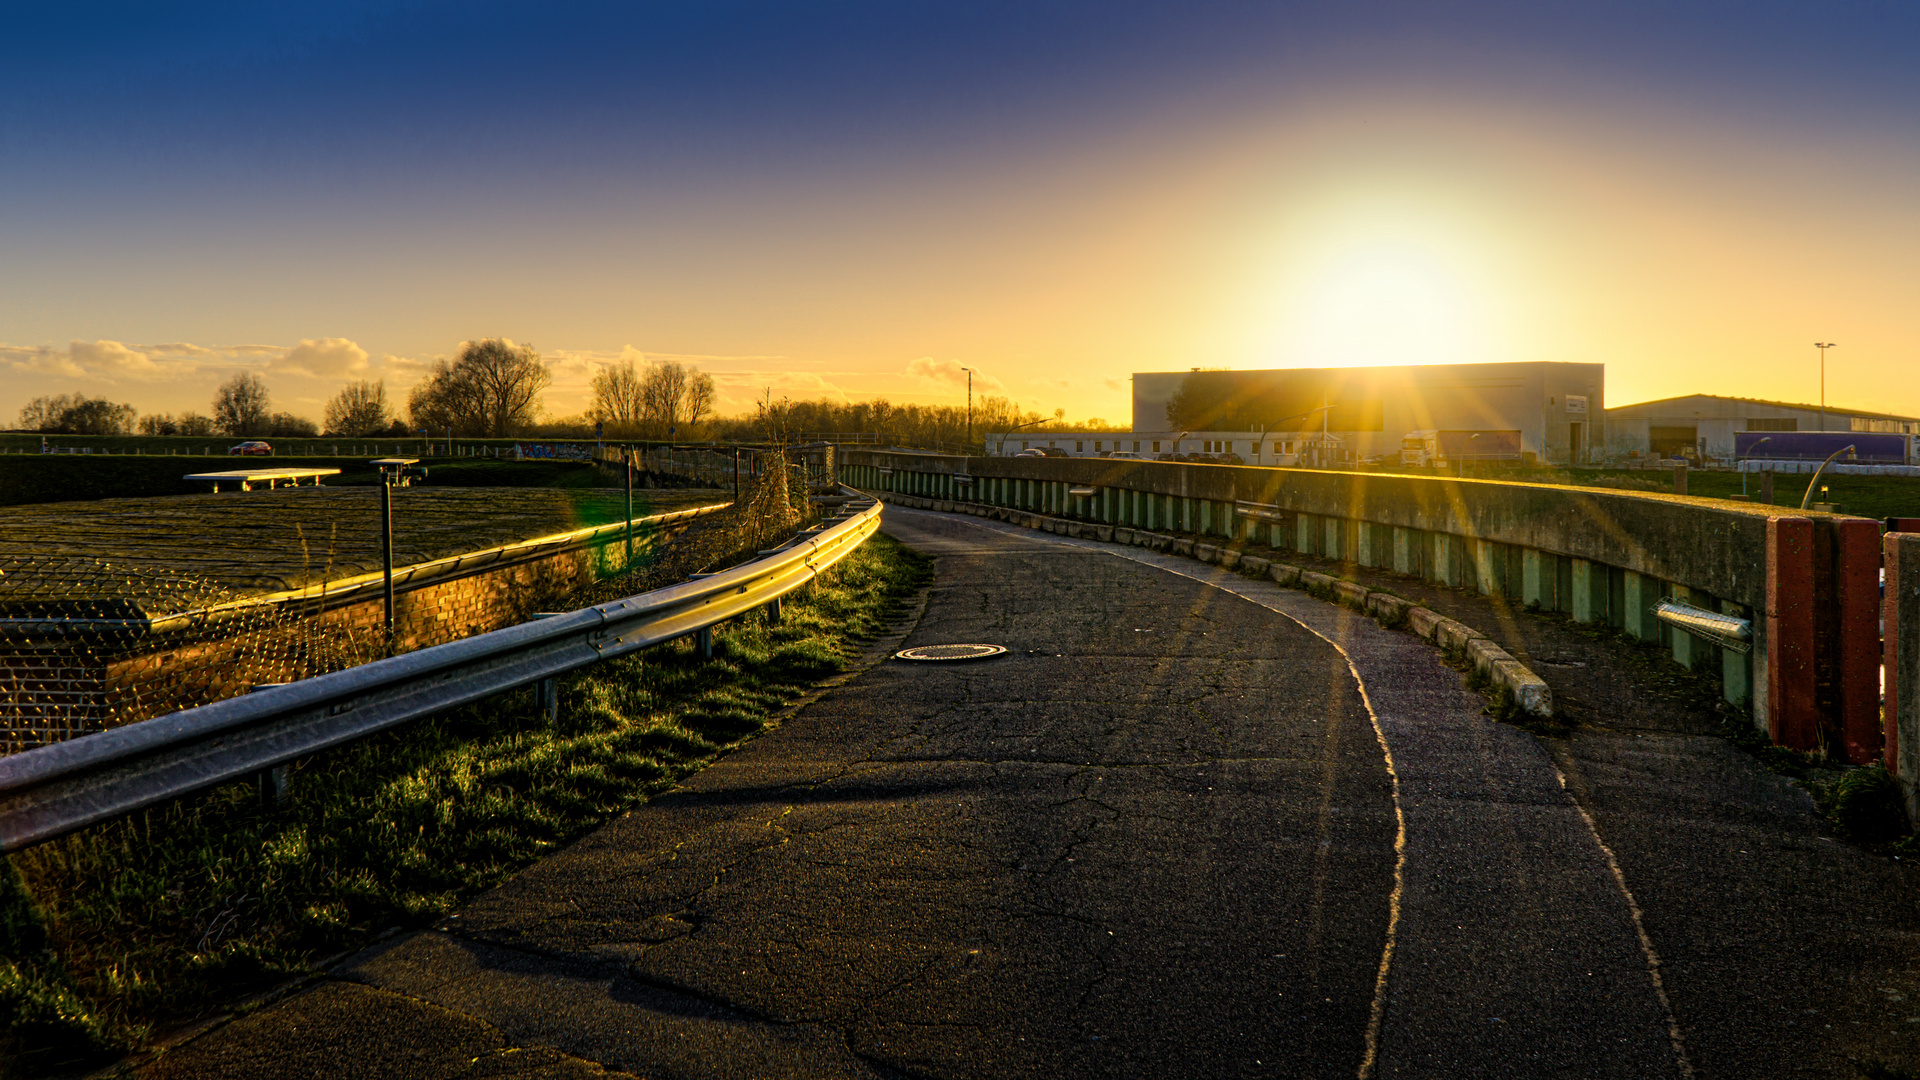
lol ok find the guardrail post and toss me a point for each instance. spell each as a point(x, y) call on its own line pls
point(704, 641)
point(1793, 715)
point(1901, 633)
point(273, 786)
point(1856, 571)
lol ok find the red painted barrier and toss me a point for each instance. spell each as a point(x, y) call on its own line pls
point(1899, 561)
point(1793, 713)
point(1856, 596)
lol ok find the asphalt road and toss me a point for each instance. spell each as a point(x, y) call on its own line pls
point(1169, 835)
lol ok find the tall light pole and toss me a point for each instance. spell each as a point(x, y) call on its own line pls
point(1823, 346)
point(969, 372)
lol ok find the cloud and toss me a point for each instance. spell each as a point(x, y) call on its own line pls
point(323, 358)
point(951, 373)
point(1115, 384)
point(40, 360)
point(112, 359)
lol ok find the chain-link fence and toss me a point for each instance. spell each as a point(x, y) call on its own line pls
point(87, 643)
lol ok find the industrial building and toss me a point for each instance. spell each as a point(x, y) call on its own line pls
point(1703, 426)
point(1554, 412)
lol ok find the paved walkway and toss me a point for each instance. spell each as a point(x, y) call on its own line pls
point(1170, 835)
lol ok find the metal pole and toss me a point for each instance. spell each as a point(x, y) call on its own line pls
point(626, 458)
point(736, 475)
point(1823, 346)
point(386, 547)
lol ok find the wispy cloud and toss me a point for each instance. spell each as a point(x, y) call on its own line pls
point(951, 373)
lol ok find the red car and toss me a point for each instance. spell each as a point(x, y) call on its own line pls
point(251, 449)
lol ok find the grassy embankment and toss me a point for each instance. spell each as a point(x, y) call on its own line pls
point(115, 935)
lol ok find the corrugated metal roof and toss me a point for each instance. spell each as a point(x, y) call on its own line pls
point(1832, 410)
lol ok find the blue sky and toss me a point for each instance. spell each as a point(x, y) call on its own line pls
point(858, 199)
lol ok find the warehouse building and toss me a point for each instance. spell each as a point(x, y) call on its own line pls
point(1704, 426)
point(1552, 412)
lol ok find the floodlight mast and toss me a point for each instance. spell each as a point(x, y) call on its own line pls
point(1823, 346)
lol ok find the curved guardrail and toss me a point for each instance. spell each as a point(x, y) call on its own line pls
point(53, 790)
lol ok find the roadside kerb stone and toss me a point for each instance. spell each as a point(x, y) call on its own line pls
point(1388, 608)
point(1351, 594)
point(1528, 691)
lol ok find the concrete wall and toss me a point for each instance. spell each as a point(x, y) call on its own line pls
point(1602, 557)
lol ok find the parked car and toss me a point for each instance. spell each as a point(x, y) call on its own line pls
point(1125, 455)
point(1053, 451)
point(253, 448)
point(1031, 453)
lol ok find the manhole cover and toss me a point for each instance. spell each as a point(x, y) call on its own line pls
point(949, 653)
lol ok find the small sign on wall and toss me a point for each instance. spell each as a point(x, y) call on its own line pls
point(1576, 404)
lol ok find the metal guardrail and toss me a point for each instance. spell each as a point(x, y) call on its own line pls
point(56, 789)
point(1726, 631)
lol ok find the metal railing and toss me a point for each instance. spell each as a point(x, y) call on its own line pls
point(53, 790)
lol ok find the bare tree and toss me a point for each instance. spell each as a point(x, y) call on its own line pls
point(675, 396)
point(240, 405)
point(491, 389)
point(618, 400)
point(360, 409)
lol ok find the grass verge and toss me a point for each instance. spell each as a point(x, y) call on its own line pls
point(115, 935)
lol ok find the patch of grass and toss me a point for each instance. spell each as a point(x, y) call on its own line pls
point(153, 920)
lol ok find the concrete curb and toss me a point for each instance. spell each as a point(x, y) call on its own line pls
point(1528, 691)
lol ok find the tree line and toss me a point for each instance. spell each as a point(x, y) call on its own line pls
point(491, 389)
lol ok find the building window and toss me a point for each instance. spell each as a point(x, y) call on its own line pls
point(1026, 446)
point(1772, 423)
point(1096, 445)
point(1156, 446)
point(1079, 446)
point(1136, 445)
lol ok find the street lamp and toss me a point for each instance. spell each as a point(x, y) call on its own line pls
point(1808, 497)
point(1823, 346)
point(1276, 423)
point(1750, 454)
point(969, 372)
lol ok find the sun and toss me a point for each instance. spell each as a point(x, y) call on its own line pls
point(1373, 284)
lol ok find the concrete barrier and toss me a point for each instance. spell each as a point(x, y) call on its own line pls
point(1601, 557)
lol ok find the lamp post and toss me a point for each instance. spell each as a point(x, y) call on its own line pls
point(1808, 497)
point(969, 372)
point(1296, 416)
point(1823, 346)
point(1743, 472)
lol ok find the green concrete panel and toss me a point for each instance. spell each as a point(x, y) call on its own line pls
point(1736, 667)
point(1636, 607)
point(1445, 570)
point(1535, 573)
point(1689, 651)
point(1486, 572)
point(1590, 592)
point(1305, 531)
point(1406, 559)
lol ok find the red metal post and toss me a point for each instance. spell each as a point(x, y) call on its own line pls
point(1856, 579)
point(1899, 560)
point(1792, 705)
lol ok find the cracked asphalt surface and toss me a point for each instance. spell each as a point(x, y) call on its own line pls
point(1162, 837)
